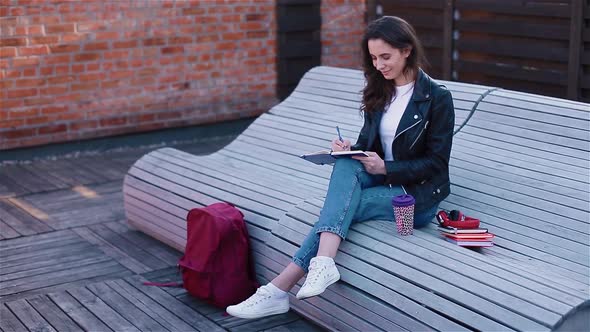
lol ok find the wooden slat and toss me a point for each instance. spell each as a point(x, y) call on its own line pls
point(29, 317)
point(545, 104)
point(32, 182)
point(315, 175)
point(154, 309)
point(504, 281)
point(553, 124)
point(575, 47)
point(528, 254)
point(191, 317)
point(570, 205)
point(47, 177)
point(148, 244)
point(239, 200)
point(516, 207)
point(57, 278)
point(9, 322)
point(69, 208)
point(152, 220)
point(571, 197)
point(9, 187)
point(179, 165)
point(37, 244)
point(21, 221)
point(112, 251)
point(82, 175)
point(53, 314)
point(535, 49)
point(332, 73)
point(124, 307)
point(78, 312)
point(465, 150)
point(129, 248)
point(159, 228)
point(261, 324)
point(101, 310)
point(75, 261)
point(426, 239)
point(577, 218)
point(556, 9)
point(104, 169)
point(508, 143)
point(429, 238)
point(28, 259)
point(513, 72)
point(147, 214)
point(243, 172)
point(512, 28)
point(6, 231)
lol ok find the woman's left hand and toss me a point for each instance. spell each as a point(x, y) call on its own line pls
point(373, 163)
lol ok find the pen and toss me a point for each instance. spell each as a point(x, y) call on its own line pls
point(339, 136)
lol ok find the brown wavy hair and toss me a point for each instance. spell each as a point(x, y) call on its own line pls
point(398, 34)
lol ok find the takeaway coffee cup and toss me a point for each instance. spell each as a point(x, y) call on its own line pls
point(403, 210)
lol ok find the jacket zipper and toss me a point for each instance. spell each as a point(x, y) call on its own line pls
point(404, 189)
point(396, 136)
point(419, 134)
point(403, 131)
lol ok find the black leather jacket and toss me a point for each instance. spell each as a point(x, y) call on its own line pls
point(422, 144)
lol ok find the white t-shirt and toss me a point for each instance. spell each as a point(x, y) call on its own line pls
point(392, 117)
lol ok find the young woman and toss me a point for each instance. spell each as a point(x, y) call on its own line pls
point(408, 131)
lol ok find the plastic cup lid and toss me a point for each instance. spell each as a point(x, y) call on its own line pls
point(403, 200)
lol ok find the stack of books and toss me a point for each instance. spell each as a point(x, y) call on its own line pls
point(474, 237)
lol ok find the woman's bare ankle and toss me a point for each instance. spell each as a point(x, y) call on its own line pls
point(288, 277)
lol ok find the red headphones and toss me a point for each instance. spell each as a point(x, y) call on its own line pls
point(456, 219)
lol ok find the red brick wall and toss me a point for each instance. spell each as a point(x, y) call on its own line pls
point(343, 24)
point(82, 69)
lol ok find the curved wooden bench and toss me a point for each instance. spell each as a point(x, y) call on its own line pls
point(519, 162)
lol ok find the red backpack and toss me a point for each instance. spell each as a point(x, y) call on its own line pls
point(217, 266)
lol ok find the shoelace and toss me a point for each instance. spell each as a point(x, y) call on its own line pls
point(261, 294)
point(314, 272)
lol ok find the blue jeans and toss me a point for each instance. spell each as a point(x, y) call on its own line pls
point(353, 196)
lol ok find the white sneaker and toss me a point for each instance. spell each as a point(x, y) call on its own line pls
point(322, 273)
point(263, 303)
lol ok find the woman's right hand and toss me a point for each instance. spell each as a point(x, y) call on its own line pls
point(338, 145)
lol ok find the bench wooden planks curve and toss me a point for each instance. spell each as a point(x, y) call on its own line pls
point(511, 173)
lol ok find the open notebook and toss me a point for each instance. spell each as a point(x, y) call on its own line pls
point(326, 157)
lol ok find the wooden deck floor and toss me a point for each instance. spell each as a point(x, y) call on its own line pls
point(68, 261)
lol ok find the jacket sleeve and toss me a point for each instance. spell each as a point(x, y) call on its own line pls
point(362, 140)
point(438, 147)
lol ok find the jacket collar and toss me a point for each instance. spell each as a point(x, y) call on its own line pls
point(422, 87)
point(415, 111)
